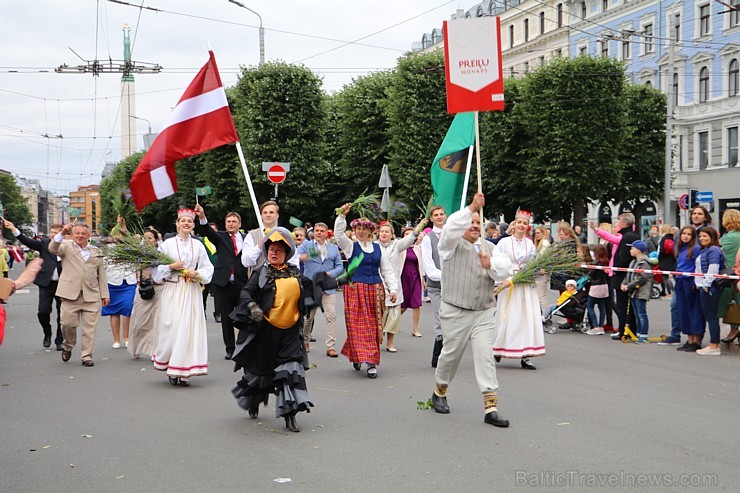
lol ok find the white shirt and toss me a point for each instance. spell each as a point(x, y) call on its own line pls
point(251, 252)
point(430, 270)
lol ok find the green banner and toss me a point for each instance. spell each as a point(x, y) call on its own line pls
point(448, 168)
point(201, 191)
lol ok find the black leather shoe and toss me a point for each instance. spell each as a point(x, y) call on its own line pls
point(438, 344)
point(255, 411)
point(229, 354)
point(291, 424)
point(527, 365)
point(495, 419)
point(173, 380)
point(440, 404)
point(47, 341)
point(217, 317)
point(60, 346)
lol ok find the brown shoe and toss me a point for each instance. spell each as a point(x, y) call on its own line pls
point(331, 353)
point(87, 362)
point(66, 355)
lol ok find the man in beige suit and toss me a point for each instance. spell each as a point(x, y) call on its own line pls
point(82, 288)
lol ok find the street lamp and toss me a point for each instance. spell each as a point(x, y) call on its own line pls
point(148, 137)
point(261, 30)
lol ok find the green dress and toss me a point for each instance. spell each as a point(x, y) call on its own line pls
point(730, 243)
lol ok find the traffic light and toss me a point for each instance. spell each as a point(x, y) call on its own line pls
point(692, 198)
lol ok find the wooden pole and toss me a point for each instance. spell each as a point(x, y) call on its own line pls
point(249, 185)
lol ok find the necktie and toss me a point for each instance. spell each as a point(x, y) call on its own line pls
point(236, 251)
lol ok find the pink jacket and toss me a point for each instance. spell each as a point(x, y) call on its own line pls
point(614, 239)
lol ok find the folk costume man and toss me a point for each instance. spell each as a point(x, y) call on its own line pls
point(229, 275)
point(82, 287)
point(468, 307)
point(253, 255)
point(47, 280)
point(430, 260)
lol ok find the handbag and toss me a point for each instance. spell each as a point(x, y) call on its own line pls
point(599, 291)
point(146, 289)
point(732, 315)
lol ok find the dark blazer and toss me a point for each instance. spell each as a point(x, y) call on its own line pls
point(227, 259)
point(622, 257)
point(50, 260)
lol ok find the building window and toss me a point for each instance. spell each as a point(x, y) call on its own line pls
point(625, 49)
point(492, 7)
point(675, 89)
point(542, 23)
point(604, 48)
point(560, 15)
point(511, 71)
point(703, 85)
point(506, 6)
point(559, 52)
point(511, 36)
point(582, 50)
point(732, 146)
point(435, 36)
point(677, 28)
point(705, 25)
point(583, 10)
point(526, 30)
point(604, 5)
point(734, 77)
point(734, 13)
point(703, 150)
point(647, 34)
point(648, 83)
point(542, 61)
point(526, 67)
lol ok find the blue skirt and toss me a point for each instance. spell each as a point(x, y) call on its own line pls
point(121, 300)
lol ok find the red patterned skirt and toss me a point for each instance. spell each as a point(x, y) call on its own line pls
point(363, 315)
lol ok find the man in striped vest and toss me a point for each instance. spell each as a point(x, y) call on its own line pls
point(467, 311)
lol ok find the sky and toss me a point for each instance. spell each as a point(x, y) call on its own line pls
point(61, 128)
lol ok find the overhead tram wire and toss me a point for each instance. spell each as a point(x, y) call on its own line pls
point(375, 33)
point(279, 31)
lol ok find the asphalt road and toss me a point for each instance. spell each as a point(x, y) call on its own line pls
point(597, 414)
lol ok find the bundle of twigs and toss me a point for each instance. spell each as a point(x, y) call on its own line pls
point(129, 251)
point(366, 205)
point(553, 260)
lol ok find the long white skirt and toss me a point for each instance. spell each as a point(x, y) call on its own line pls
point(519, 331)
point(182, 350)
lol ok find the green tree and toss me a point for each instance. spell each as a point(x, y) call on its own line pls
point(14, 205)
point(363, 133)
point(642, 152)
point(279, 115)
point(574, 113)
point(418, 123)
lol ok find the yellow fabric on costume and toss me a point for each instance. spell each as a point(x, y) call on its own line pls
point(210, 246)
point(4, 267)
point(563, 297)
point(284, 312)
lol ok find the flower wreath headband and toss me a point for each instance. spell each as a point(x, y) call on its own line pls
point(364, 223)
point(186, 212)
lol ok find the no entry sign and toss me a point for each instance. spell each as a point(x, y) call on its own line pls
point(276, 174)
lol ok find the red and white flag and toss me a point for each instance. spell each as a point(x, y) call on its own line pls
point(201, 121)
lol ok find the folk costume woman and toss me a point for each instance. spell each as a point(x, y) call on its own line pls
point(364, 298)
point(395, 250)
point(182, 350)
point(270, 345)
point(145, 315)
point(518, 317)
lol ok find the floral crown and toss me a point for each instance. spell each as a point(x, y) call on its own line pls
point(525, 214)
point(186, 212)
point(364, 223)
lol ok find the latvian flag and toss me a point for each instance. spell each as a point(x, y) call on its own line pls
point(201, 121)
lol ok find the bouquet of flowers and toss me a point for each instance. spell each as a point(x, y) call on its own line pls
point(554, 260)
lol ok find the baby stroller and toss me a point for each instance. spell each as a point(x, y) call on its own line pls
point(573, 309)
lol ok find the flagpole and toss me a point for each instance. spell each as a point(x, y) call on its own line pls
point(467, 178)
point(249, 184)
point(477, 153)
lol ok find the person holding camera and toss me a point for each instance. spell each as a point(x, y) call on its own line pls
point(144, 331)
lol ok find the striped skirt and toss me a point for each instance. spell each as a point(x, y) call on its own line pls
point(363, 313)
